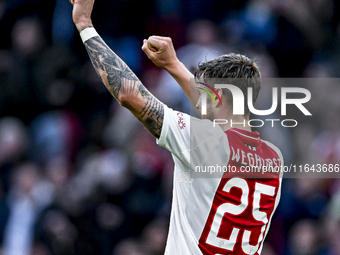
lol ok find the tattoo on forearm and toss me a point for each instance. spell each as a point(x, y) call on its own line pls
point(118, 78)
point(105, 60)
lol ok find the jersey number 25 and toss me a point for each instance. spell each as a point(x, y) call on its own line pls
point(237, 209)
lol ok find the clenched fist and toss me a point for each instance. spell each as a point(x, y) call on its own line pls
point(160, 50)
point(81, 14)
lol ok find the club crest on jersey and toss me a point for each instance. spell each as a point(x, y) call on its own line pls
point(180, 121)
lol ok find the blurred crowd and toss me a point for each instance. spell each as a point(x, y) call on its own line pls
point(78, 173)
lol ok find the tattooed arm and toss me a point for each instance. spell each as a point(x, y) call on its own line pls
point(125, 86)
point(122, 83)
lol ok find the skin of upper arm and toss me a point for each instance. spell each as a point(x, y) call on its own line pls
point(146, 107)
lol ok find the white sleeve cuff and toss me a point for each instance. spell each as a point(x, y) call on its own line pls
point(88, 33)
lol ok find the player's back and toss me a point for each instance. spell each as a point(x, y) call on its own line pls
point(227, 212)
point(245, 199)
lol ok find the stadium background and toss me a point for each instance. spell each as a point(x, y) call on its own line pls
point(79, 175)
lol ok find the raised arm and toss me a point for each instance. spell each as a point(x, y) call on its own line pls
point(122, 83)
point(160, 50)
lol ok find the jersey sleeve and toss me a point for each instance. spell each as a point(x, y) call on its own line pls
point(192, 141)
point(175, 134)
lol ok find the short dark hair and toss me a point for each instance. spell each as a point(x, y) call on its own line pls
point(239, 69)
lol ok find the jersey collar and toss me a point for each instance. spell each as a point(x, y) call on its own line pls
point(247, 136)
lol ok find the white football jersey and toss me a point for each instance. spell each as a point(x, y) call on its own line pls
point(229, 211)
